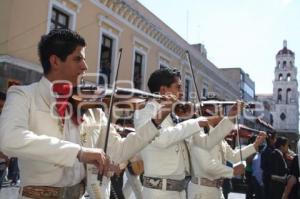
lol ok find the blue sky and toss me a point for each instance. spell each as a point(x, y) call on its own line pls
point(236, 33)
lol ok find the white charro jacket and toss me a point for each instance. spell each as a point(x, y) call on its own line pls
point(209, 163)
point(162, 158)
point(29, 131)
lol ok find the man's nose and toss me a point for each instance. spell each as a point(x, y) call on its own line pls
point(84, 66)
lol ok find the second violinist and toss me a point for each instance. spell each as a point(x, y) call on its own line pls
point(167, 159)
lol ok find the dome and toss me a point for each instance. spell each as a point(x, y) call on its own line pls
point(285, 50)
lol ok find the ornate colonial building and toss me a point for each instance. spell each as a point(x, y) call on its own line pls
point(107, 25)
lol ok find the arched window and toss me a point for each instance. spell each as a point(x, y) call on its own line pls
point(278, 63)
point(280, 77)
point(284, 64)
point(279, 95)
point(288, 77)
point(288, 95)
point(271, 119)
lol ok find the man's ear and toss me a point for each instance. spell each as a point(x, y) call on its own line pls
point(162, 90)
point(54, 62)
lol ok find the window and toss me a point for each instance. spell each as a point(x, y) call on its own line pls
point(204, 92)
point(59, 19)
point(280, 77)
point(271, 119)
point(138, 71)
point(60, 15)
point(242, 77)
point(288, 77)
point(163, 61)
point(248, 89)
point(288, 95)
point(284, 64)
point(187, 88)
point(279, 95)
point(106, 60)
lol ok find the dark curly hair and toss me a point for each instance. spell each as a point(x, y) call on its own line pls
point(281, 141)
point(59, 42)
point(162, 77)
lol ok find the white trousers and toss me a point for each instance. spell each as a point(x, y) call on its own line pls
point(196, 191)
point(162, 194)
point(133, 184)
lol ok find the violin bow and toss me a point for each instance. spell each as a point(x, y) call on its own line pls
point(112, 97)
point(238, 137)
point(194, 79)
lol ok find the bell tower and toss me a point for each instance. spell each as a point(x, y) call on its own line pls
point(285, 94)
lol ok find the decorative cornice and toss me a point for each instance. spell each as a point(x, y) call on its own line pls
point(136, 19)
point(104, 19)
point(124, 12)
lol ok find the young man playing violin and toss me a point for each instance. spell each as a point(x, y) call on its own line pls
point(37, 127)
point(166, 159)
point(209, 167)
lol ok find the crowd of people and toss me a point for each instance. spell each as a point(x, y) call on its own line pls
point(60, 148)
point(274, 171)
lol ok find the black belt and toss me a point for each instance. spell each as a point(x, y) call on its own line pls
point(165, 184)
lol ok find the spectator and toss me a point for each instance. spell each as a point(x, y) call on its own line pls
point(279, 169)
point(13, 171)
point(265, 164)
point(3, 164)
point(257, 175)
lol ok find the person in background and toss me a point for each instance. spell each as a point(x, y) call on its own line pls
point(292, 188)
point(257, 182)
point(13, 171)
point(265, 164)
point(279, 169)
point(210, 167)
point(4, 161)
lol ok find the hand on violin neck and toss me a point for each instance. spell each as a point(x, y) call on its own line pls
point(214, 120)
point(203, 122)
point(207, 122)
point(236, 109)
point(261, 137)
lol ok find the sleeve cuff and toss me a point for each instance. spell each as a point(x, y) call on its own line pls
point(72, 151)
point(156, 125)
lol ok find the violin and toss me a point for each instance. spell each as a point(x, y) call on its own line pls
point(90, 96)
point(188, 110)
point(85, 97)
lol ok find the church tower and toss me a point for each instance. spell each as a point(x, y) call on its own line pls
point(285, 94)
